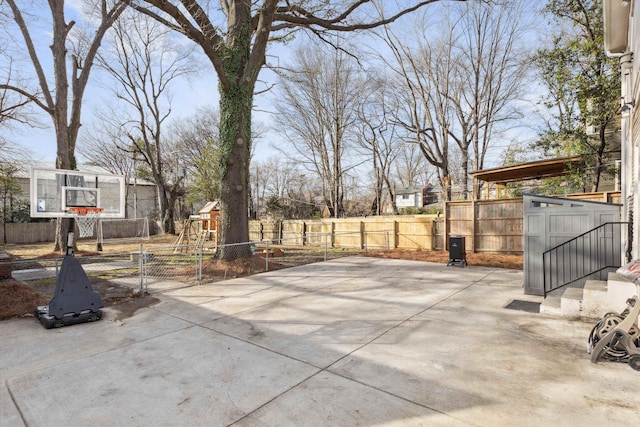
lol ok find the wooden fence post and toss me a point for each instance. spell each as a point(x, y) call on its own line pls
point(396, 237)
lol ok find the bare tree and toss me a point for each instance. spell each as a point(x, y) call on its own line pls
point(318, 111)
point(98, 147)
point(196, 138)
point(422, 105)
point(12, 104)
point(280, 184)
point(58, 93)
point(144, 62)
point(411, 168)
point(234, 35)
point(490, 74)
point(461, 86)
point(13, 111)
point(100, 141)
point(278, 175)
point(379, 137)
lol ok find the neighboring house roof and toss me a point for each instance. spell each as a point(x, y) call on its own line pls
point(415, 189)
point(409, 190)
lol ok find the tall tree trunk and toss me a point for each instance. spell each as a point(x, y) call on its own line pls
point(168, 225)
point(65, 159)
point(392, 195)
point(465, 174)
point(4, 217)
point(235, 131)
point(597, 169)
point(236, 101)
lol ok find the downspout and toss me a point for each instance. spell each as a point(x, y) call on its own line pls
point(616, 20)
point(627, 179)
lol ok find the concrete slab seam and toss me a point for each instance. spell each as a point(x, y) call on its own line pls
point(86, 356)
point(328, 370)
point(397, 325)
point(328, 367)
point(15, 403)
point(397, 396)
point(270, 350)
point(400, 323)
point(279, 395)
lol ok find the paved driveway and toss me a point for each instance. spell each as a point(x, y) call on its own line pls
point(353, 341)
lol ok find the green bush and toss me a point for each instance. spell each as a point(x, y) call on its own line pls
point(411, 211)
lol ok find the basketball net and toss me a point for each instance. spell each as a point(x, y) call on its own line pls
point(86, 219)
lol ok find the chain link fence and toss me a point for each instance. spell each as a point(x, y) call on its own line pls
point(154, 269)
point(170, 267)
point(119, 269)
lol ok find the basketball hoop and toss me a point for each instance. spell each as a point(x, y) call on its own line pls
point(86, 217)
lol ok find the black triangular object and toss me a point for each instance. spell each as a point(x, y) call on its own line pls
point(74, 294)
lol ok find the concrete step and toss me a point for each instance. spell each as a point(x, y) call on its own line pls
point(619, 290)
point(551, 306)
point(595, 299)
point(571, 302)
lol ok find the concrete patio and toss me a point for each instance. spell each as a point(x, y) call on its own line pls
point(353, 341)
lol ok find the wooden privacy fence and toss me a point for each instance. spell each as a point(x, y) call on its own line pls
point(382, 232)
point(486, 225)
point(497, 225)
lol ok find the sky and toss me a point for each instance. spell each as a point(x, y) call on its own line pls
point(187, 97)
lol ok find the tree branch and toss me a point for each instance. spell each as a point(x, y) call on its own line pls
point(298, 16)
point(206, 36)
point(42, 79)
point(262, 33)
point(33, 98)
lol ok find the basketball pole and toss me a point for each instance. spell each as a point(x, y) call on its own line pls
point(72, 226)
point(98, 229)
point(99, 235)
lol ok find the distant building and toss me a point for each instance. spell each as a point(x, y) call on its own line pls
point(410, 197)
point(416, 197)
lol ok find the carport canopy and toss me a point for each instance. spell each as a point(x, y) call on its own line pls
point(526, 171)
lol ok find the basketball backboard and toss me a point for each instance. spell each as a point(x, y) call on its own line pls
point(54, 191)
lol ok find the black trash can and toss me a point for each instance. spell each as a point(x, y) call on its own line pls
point(457, 253)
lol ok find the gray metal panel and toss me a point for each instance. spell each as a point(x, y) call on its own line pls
point(533, 234)
point(550, 221)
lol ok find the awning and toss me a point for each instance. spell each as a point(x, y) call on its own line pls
point(527, 171)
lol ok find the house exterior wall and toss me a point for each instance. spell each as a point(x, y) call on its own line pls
point(409, 200)
point(631, 149)
point(622, 41)
point(631, 132)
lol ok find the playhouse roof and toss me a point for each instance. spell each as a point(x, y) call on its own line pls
point(210, 206)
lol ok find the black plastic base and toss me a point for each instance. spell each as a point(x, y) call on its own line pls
point(49, 321)
point(74, 300)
